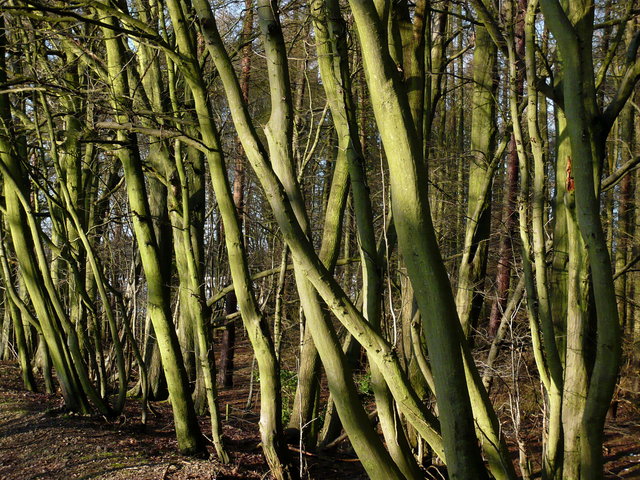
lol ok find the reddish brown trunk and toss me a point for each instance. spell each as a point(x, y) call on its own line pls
point(505, 253)
point(503, 275)
point(225, 375)
point(245, 73)
point(625, 235)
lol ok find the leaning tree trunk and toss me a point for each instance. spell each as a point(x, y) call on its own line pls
point(270, 410)
point(225, 375)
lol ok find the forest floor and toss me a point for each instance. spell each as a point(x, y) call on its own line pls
point(40, 440)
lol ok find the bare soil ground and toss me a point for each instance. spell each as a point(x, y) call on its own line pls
point(39, 440)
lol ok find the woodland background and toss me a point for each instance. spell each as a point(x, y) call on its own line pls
point(421, 216)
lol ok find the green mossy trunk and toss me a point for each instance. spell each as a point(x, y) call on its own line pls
point(573, 30)
point(15, 189)
point(13, 316)
point(333, 63)
point(257, 330)
point(190, 440)
point(472, 272)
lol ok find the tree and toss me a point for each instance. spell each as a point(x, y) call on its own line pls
point(115, 116)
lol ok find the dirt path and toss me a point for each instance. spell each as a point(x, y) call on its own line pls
point(38, 440)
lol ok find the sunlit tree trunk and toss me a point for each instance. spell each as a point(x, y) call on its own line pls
point(187, 430)
point(471, 275)
point(373, 458)
point(13, 316)
point(270, 410)
point(239, 180)
point(333, 61)
point(587, 128)
point(20, 226)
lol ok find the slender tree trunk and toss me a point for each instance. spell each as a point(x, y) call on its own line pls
point(16, 190)
point(574, 32)
point(505, 250)
point(471, 275)
point(229, 333)
point(333, 66)
point(190, 440)
point(270, 409)
point(13, 316)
